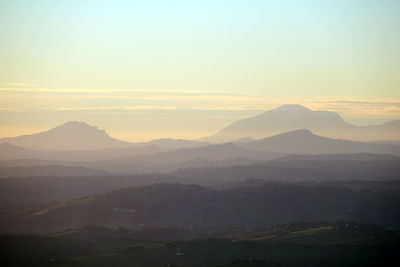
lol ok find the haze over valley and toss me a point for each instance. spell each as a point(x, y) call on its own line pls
point(199, 133)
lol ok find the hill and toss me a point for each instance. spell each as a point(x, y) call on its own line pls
point(343, 167)
point(308, 244)
point(305, 142)
point(211, 152)
point(13, 152)
point(194, 207)
point(48, 170)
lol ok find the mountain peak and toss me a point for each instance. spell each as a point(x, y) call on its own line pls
point(77, 127)
point(77, 124)
point(292, 107)
point(300, 132)
point(284, 118)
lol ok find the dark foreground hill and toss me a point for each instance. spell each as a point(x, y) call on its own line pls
point(312, 244)
point(194, 207)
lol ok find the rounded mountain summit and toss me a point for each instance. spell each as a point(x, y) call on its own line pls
point(72, 135)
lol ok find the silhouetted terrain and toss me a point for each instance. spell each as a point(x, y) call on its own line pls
point(13, 152)
point(308, 244)
point(194, 207)
point(48, 170)
point(299, 168)
point(152, 159)
point(305, 142)
point(94, 200)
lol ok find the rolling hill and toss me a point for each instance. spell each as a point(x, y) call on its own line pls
point(211, 152)
point(305, 142)
point(194, 207)
point(13, 152)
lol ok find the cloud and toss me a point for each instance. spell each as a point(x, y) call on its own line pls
point(21, 85)
point(141, 100)
point(11, 109)
point(153, 108)
point(365, 103)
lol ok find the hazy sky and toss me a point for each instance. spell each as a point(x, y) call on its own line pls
point(185, 69)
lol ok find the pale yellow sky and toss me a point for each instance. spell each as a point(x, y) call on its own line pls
point(185, 69)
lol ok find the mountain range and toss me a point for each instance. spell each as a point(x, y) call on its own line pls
point(79, 136)
point(77, 144)
point(292, 117)
point(153, 159)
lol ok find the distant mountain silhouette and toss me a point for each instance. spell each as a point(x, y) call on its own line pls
point(305, 142)
point(217, 152)
point(49, 170)
point(300, 168)
point(291, 117)
point(169, 143)
point(72, 135)
point(13, 152)
point(9, 151)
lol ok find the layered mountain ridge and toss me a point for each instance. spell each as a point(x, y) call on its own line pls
point(292, 117)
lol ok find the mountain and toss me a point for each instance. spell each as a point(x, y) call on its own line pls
point(172, 144)
point(13, 152)
point(217, 152)
point(298, 168)
point(72, 135)
point(291, 117)
point(48, 170)
point(227, 154)
point(9, 151)
point(305, 142)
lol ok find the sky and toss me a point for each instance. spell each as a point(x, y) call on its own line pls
point(186, 69)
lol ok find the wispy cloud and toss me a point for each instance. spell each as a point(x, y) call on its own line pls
point(19, 85)
point(28, 88)
point(130, 100)
point(152, 108)
point(364, 103)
